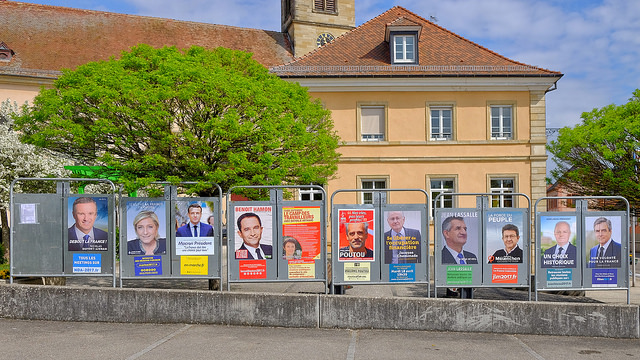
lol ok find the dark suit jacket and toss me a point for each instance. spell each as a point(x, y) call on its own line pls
point(97, 234)
point(447, 258)
point(266, 250)
point(516, 255)
point(571, 255)
point(612, 256)
point(204, 230)
point(133, 247)
point(411, 234)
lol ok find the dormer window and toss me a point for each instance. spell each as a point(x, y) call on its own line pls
point(403, 35)
point(5, 53)
point(404, 48)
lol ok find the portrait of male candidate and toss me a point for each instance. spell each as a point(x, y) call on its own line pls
point(195, 228)
point(563, 253)
point(608, 252)
point(454, 232)
point(512, 253)
point(250, 230)
point(83, 236)
point(401, 244)
point(357, 235)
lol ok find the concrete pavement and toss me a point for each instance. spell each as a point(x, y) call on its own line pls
point(34, 339)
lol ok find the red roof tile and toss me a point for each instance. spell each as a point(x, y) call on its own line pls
point(46, 39)
point(364, 52)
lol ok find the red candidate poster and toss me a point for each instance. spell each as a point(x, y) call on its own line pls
point(357, 231)
point(301, 233)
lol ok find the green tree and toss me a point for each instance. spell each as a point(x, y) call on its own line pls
point(600, 156)
point(193, 115)
point(21, 160)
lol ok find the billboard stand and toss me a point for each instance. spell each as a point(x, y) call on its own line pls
point(63, 234)
point(277, 240)
point(485, 246)
point(583, 249)
point(379, 243)
point(171, 237)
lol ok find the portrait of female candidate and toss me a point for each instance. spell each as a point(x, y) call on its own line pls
point(149, 242)
point(291, 248)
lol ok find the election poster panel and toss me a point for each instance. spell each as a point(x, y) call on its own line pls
point(88, 223)
point(460, 232)
point(146, 228)
point(402, 238)
point(253, 232)
point(301, 233)
point(503, 237)
point(558, 241)
point(603, 239)
point(194, 227)
point(357, 239)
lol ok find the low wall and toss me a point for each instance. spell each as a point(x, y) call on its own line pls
point(63, 303)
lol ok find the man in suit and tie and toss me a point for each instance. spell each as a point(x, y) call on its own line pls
point(401, 244)
point(250, 230)
point(607, 253)
point(454, 231)
point(563, 253)
point(195, 228)
point(83, 236)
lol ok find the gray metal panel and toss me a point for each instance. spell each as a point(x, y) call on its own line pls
point(75, 262)
point(404, 259)
point(354, 270)
point(183, 262)
point(306, 222)
point(498, 269)
point(138, 265)
point(37, 234)
point(240, 264)
point(448, 271)
point(612, 270)
point(564, 272)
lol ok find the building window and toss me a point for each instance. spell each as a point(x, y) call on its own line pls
point(372, 123)
point(501, 122)
point(437, 187)
point(404, 49)
point(367, 197)
point(310, 194)
point(502, 186)
point(325, 6)
point(441, 122)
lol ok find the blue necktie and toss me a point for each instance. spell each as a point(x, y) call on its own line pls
point(461, 259)
point(86, 242)
point(195, 230)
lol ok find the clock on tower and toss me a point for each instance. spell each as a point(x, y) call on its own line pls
point(324, 38)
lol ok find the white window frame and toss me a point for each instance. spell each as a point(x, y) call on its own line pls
point(401, 40)
point(434, 191)
point(313, 194)
point(501, 134)
point(500, 190)
point(380, 182)
point(439, 134)
point(363, 112)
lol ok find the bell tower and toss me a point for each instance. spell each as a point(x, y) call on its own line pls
point(312, 23)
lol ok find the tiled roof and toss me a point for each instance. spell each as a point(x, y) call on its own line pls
point(364, 52)
point(46, 39)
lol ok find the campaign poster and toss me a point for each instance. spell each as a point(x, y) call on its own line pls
point(402, 238)
point(253, 232)
point(194, 227)
point(503, 236)
point(88, 223)
point(459, 233)
point(194, 265)
point(146, 228)
point(558, 242)
point(356, 239)
point(603, 239)
point(252, 269)
point(301, 233)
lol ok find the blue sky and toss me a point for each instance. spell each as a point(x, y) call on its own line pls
point(594, 43)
